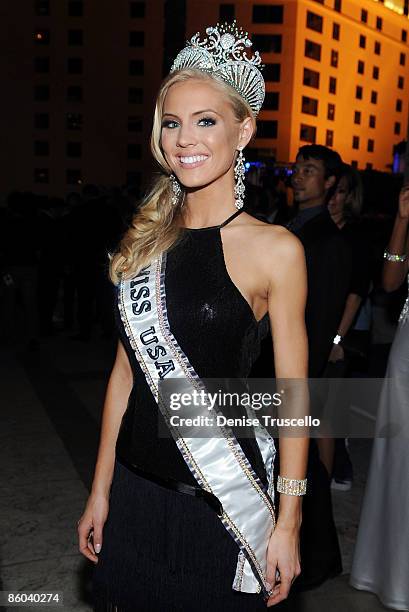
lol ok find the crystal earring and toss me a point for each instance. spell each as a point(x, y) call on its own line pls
point(239, 173)
point(176, 190)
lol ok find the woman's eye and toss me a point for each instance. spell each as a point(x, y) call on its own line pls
point(169, 124)
point(207, 121)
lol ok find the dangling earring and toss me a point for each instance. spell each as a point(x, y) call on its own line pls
point(176, 190)
point(239, 173)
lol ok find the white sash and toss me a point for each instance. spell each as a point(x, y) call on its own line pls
point(217, 462)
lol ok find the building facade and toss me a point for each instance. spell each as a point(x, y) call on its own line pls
point(336, 71)
point(80, 78)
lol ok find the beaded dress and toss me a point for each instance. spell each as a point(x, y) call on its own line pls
point(162, 549)
point(381, 559)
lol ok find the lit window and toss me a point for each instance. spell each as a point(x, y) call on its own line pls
point(331, 112)
point(73, 121)
point(41, 175)
point(329, 138)
point(334, 58)
point(308, 133)
point(42, 37)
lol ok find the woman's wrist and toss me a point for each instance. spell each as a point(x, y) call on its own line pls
point(289, 523)
point(101, 487)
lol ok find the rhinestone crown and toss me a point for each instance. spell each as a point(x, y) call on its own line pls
point(224, 54)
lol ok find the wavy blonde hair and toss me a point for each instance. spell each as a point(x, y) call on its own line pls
point(155, 227)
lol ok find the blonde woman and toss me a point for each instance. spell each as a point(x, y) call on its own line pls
point(181, 523)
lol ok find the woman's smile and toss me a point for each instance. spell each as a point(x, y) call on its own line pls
point(192, 161)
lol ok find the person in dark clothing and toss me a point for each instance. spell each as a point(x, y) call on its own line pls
point(344, 207)
point(329, 259)
point(328, 256)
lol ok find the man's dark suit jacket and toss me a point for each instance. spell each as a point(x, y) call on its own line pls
point(329, 265)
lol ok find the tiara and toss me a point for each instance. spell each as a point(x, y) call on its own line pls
point(224, 54)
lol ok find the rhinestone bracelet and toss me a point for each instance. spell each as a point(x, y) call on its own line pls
point(291, 486)
point(393, 257)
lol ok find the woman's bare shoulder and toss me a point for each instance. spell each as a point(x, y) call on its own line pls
point(270, 240)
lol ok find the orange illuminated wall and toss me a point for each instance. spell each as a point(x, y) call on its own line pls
point(364, 129)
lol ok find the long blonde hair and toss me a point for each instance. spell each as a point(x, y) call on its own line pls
point(155, 227)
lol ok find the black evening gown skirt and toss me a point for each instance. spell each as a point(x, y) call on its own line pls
point(164, 550)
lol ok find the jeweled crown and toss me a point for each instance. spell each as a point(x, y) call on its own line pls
point(224, 54)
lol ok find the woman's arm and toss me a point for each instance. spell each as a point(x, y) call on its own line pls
point(116, 399)
point(394, 272)
point(286, 303)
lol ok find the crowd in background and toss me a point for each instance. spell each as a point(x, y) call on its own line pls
point(54, 255)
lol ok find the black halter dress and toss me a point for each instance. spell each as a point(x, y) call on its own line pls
point(162, 549)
